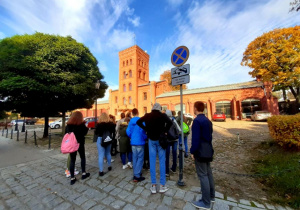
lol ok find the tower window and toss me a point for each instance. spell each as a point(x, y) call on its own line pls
point(144, 75)
point(116, 99)
point(124, 88)
point(130, 100)
point(130, 86)
point(124, 101)
point(142, 63)
point(127, 63)
point(130, 73)
point(130, 61)
point(123, 63)
point(125, 74)
point(145, 95)
point(140, 74)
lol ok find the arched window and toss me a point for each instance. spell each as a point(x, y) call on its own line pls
point(140, 74)
point(130, 61)
point(130, 86)
point(124, 101)
point(130, 100)
point(144, 76)
point(130, 73)
point(123, 63)
point(142, 63)
point(116, 99)
point(124, 74)
point(124, 88)
point(127, 63)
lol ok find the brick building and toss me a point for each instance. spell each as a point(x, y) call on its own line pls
point(237, 101)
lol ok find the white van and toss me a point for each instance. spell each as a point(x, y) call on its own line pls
point(57, 123)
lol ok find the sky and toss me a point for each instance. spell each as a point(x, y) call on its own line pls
point(217, 32)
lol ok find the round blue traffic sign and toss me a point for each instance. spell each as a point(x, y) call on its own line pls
point(180, 56)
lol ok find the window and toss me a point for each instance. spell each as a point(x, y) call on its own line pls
point(144, 76)
point(130, 61)
point(124, 101)
point(140, 76)
point(123, 63)
point(142, 63)
point(124, 88)
point(127, 63)
point(130, 100)
point(130, 86)
point(116, 99)
point(145, 96)
point(124, 74)
point(130, 73)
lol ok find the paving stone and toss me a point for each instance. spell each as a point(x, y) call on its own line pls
point(247, 207)
point(129, 187)
point(178, 203)
point(48, 198)
point(258, 205)
point(229, 203)
point(195, 189)
point(221, 205)
point(245, 202)
point(162, 207)
point(146, 193)
point(109, 188)
point(129, 207)
point(167, 200)
point(123, 194)
point(269, 206)
point(89, 204)
point(131, 198)
point(63, 206)
point(117, 204)
point(189, 196)
point(108, 200)
point(231, 199)
point(170, 192)
point(98, 207)
point(122, 184)
point(53, 203)
point(188, 206)
point(138, 190)
point(115, 191)
point(141, 202)
point(179, 194)
point(219, 195)
point(102, 185)
point(80, 200)
point(39, 206)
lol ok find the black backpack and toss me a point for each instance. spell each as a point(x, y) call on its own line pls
point(106, 138)
point(173, 133)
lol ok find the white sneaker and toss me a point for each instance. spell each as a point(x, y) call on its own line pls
point(125, 166)
point(163, 189)
point(129, 164)
point(76, 172)
point(153, 189)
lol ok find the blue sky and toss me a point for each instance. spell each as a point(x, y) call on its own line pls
point(216, 31)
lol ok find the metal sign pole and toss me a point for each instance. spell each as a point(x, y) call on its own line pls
point(180, 182)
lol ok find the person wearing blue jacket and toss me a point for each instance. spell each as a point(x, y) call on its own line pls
point(138, 139)
point(202, 151)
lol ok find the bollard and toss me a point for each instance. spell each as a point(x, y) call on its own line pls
point(11, 134)
point(6, 133)
point(34, 134)
point(26, 137)
point(18, 135)
point(3, 132)
point(49, 141)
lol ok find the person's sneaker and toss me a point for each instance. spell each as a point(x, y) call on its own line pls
point(73, 181)
point(212, 200)
point(84, 176)
point(200, 205)
point(173, 171)
point(101, 173)
point(68, 174)
point(125, 166)
point(153, 189)
point(167, 175)
point(136, 179)
point(109, 168)
point(129, 164)
point(163, 189)
point(66, 171)
point(112, 160)
point(76, 172)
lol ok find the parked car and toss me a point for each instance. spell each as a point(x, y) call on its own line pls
point(30, 121)
point(189, 115)
point(88, 118)
point(57, 123)
point(91, 123)
point(219, 116)
point(14, 122)
point(260, 115)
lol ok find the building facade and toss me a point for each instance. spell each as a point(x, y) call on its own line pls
point(237, 101)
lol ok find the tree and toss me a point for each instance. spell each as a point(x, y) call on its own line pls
point(42, 75)
point(275, 57)
point(295, 6)
point(167, 76)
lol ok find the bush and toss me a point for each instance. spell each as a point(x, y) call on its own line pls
point(285, 130)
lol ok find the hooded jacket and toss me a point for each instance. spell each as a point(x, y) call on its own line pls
point(136, 133)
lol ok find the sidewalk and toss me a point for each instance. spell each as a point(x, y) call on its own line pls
point(38, 182)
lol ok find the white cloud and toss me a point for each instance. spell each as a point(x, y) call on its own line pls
point(174, 3)
point(120, 39)
point(2, 35)
point(110, 86)
point(217, 34)
point(135, 21)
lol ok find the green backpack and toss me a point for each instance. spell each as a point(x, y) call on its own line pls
point(186, 128)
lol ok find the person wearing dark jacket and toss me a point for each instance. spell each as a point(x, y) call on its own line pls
point(125, 147)
point(155, 124)
point(103, 125)
point(203, 152)
point(77, 126)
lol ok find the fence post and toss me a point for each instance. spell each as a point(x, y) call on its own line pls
point(6, 133)
point(18, 135)
point(34, 134)
point(11, 134)
point(49, 141)
point(26, 137)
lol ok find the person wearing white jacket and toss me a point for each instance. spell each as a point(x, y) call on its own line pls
point(173, 144)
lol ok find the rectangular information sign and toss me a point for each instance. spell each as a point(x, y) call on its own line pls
point(180, 71)
point(181, 80)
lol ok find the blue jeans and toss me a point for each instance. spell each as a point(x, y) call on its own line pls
point(154, 149)
point(185, 144)
point(123, 157)
point(138, 160)
point(174, 154)
point(103, 151)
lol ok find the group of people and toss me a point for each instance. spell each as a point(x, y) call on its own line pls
point(142, 139)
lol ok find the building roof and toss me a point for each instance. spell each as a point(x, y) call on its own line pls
point(243, 85)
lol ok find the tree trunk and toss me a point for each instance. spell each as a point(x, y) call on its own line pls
point(284, 94)
point(296, 94)
point(63, 126)
point(46, 127)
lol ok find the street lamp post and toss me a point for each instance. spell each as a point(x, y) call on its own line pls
point(16, 126)
point(97, 86)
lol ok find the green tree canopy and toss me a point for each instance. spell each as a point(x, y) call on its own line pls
point(42, 74)
point(275, 57)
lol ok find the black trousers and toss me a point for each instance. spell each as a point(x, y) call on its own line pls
point(81, 152)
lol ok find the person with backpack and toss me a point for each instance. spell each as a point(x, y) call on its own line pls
point(125, 147)
point(77, 126)
point(114, 145)
point(186, 131)
point(156, 125)
point(137, 138)
point(105, 131)
point(173, 135)
point(202, 152)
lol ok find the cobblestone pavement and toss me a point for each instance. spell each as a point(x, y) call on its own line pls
point(41, 184)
